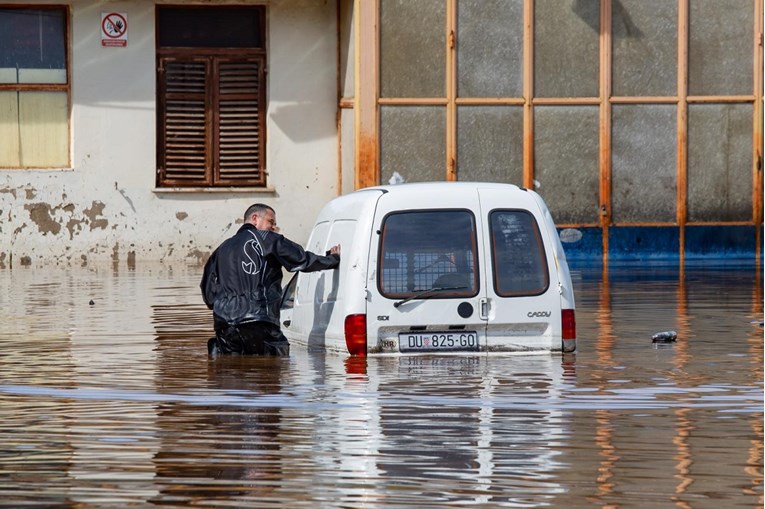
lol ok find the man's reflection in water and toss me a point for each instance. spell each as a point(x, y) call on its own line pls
point(226, 445)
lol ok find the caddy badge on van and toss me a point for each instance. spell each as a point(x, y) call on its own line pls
point(538, 314)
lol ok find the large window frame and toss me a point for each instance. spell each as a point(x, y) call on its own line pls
point(599, 104)
point(211, 109)
point(42, 142)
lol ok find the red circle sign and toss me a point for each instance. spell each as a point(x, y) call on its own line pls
point(114, 25)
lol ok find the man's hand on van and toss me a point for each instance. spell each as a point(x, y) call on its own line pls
point(334, 250)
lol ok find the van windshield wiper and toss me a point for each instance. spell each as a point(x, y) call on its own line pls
point(423, 294)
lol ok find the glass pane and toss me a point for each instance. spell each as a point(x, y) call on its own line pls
point(490, 48)
point(644, 47)
point(566, 144)
point(211, 27)
point(427, 250)
point(9, 130)
point(9, 75)
point(566, 48)
point(44, 130)
point(413, 143)
point(517, 254)
point(42, 76)
point(347, 49)
point(412, 48)
point(644, 163)
point(33, 39)
point(347, 150)
point(720, 50)
point(490, 144)
point(288, 295)
point(720, 162)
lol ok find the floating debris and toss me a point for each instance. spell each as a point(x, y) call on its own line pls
point(91, 302)
point(665, 337)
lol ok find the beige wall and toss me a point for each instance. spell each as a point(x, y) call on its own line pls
point(105, 206)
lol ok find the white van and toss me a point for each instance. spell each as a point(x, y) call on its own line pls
point(448, 267)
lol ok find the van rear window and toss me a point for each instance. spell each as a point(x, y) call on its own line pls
point(428, 250)
point(518, 255)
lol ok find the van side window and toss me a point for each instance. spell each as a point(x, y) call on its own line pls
point(428, 250)
point(518, 255)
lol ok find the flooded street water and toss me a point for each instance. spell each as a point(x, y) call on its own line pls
point(116, 404)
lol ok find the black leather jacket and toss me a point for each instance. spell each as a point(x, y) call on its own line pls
point(242, 279)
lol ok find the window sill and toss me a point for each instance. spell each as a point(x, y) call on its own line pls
point(214, 190)
point(36, 168)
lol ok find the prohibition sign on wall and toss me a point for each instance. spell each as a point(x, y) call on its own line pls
point(114, 29)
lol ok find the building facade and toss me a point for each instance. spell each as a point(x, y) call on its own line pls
point(138, 129)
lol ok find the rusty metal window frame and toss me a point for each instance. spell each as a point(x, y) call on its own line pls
point(211, 109)
point(368, 101)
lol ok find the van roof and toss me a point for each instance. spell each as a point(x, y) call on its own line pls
point(420, 187)
point(361, 202)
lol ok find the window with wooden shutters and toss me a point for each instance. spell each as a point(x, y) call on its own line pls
point(211, 97)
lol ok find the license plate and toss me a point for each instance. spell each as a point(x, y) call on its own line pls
point(438, 341)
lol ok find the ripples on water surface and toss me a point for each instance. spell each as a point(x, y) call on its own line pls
point(116, 404)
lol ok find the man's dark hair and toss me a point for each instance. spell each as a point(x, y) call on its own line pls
point(257, 208)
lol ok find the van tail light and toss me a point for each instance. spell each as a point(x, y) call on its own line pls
point(356, 334)
point(568, 319)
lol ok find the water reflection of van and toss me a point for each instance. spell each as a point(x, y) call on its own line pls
point(477, 432)
point(449, 267)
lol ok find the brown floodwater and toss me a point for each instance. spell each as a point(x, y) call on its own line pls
point(116, 403)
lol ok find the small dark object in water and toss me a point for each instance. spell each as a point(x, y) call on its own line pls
point(91, 302)
point(665, 337)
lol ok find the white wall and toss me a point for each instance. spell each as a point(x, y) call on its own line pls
point(106, 208)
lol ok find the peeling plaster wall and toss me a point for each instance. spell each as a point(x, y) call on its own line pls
point(106, 208)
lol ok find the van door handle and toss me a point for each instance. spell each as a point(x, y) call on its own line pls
point(287, 323)
point(484, 313)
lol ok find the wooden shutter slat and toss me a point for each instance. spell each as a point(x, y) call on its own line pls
point(185, 77)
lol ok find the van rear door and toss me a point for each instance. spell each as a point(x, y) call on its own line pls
point(425, 282)
point(521, 306)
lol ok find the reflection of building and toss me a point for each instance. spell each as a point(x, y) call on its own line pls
point(83, 425)
point(218, 438)
point(147, 128)
point(668, 424)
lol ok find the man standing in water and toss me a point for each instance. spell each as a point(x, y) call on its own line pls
point(242, 280)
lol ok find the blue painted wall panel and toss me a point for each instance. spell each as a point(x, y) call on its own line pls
point(643, 243)
point(582, 243)
point(720, 242)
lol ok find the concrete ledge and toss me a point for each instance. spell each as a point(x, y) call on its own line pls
point(234, 190)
